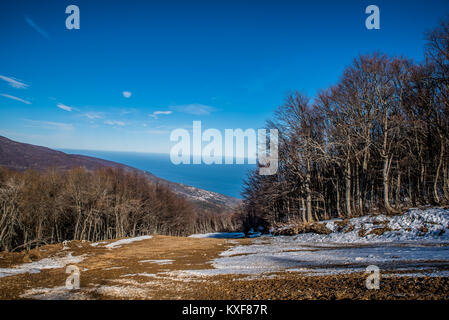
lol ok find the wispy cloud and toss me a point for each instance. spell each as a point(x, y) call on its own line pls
point(127, 94)
point(50, 125)
point(127, 111)
point(93, 115)
point(156, 113)
point(194, 108)
point(64, 107)
point(36, 27)
point(114, 123)
point(15, 83)
point(14, 98)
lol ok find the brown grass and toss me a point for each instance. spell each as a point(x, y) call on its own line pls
point(319, 228)
point(295, 228)
point(379, 231)
point(100, 270)
point(341, 224)
point(336, 287)
point(101, 264)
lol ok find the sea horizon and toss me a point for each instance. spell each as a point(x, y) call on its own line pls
point(226, 179)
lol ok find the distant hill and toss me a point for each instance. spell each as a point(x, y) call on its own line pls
point(21, 156)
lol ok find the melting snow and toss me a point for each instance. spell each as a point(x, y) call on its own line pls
point(119, 243)
point(220, 235)
point(162, 261)
point(143, 274)
point(287, 254)
point(37, 266)
point(429, 225)
point(56, 293)
point(418, 242)
point(98, 243)
point(121, 291)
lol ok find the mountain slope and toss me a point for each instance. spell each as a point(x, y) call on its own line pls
point(21, 156)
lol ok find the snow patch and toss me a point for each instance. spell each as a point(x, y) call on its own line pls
point(284, 253)
point(121, 291)
point(415, 225)
point(143, 274)
point(220, 235)
point(98, 243)
point(38, 266)
point(119, 243)
point(56, 293)
point(160, 262)
point(416, 241)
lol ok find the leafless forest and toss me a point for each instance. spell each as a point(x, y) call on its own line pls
point(52, 206)
point(375, 141)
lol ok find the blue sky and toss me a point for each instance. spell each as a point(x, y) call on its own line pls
point(226, 63)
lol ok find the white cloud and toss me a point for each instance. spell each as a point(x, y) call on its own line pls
point(156, 113)
point(128, 111)
point(15, 83)
point(162, 112)
point(114, 123)
point(64, 107)
point(127, 94)
point(14, 98)
point(93, 115)
point(194, 108)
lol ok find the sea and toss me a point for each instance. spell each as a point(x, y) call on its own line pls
point(226, 179)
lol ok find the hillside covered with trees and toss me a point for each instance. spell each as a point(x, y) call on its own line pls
point(378, 140)
point(42, 207)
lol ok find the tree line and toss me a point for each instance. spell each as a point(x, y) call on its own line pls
point(376, 140)
point(52, 206)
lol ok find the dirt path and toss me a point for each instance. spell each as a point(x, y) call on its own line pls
point(156, 269)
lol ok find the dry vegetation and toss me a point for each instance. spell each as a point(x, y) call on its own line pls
point(297, 227)
point(120, 274)
point(49, 207)
point(375, 141)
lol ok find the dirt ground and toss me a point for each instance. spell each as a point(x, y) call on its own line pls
point(126, 273)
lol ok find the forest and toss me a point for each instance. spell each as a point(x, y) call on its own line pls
point(54, 205)
point(376, 141)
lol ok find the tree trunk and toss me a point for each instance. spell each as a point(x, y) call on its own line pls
point(398, 190)
point(308, 194)
point(386, 185)
point(348, 188)
point(437, 174)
